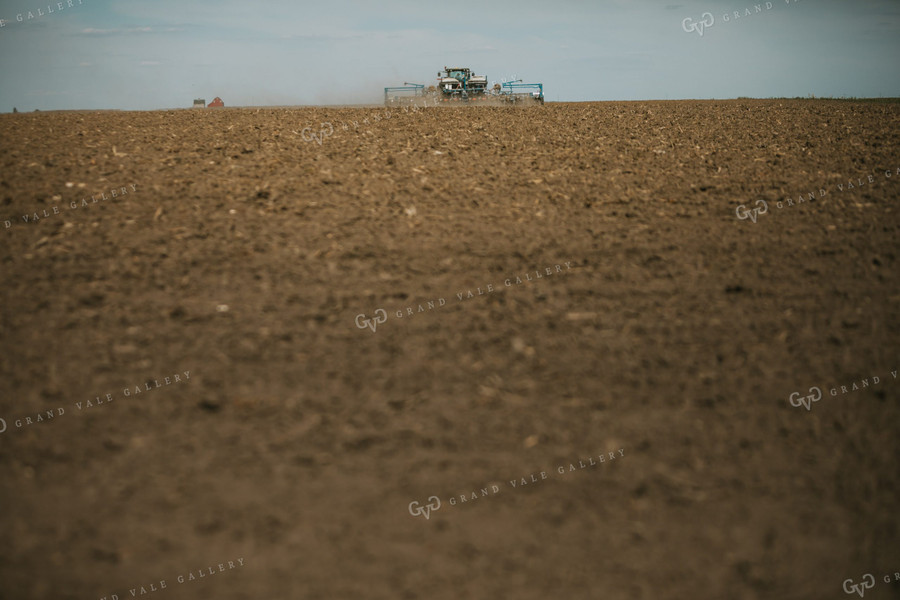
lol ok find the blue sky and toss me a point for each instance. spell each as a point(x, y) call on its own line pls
point(148, 54)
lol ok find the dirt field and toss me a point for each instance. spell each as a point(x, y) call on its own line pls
point(665, 334)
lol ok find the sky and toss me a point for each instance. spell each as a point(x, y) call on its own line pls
point(154, 54)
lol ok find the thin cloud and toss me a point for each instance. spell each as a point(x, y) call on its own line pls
point(93, 32)
point(318, 37)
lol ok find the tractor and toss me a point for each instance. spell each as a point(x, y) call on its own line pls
point(461, 83)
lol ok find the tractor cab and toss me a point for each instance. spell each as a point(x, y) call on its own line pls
point(461, 81)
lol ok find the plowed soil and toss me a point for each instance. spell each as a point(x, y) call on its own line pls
point(281, 256)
